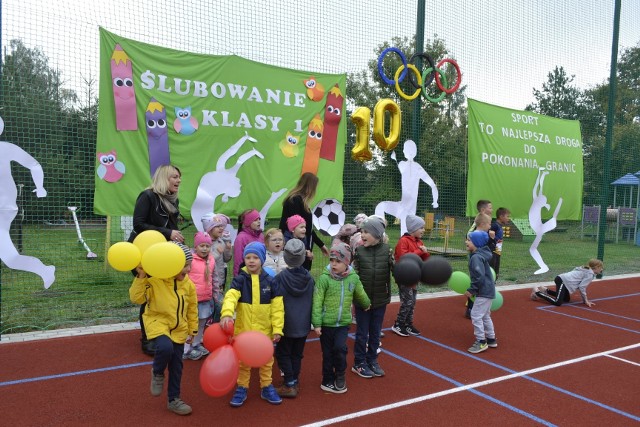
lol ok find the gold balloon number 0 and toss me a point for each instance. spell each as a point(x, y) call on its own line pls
point(361, 117)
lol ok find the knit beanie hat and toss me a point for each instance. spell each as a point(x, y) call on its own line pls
point(414, 223)
point(201, 238)
point(374, 226)
point(479, 238)
point(342, 252)
point(294, 253)
point(359, 219)
point(256, 248)
point(294, 221)
point(250, 217)
point(187, 252)
point(347, 230)
point(212, 220)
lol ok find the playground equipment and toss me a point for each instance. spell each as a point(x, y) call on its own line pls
point(90, 254)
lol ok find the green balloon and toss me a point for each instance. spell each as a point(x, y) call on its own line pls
point(459, 282)
point(493, 273)
point(497, 302)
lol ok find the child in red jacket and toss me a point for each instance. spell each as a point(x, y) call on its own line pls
point(409, 243)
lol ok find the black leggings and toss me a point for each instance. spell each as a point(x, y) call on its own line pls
point(557, 297)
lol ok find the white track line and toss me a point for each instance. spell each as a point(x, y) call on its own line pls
point(466, 387)
point(622, 360)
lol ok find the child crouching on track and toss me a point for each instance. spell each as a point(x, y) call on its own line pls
point(336, 288)
point(257, 302)
point(483, 288)
point(577, 279)
point(170, 319)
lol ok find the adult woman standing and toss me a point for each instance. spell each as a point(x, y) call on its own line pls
point(157, 209)
point(297, 203)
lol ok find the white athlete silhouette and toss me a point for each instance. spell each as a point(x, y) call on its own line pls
point(412, 173)
point(535, 219)
point(9, 209)
point(225, 182)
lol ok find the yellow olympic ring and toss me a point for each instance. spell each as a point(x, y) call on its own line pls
point(418, 76)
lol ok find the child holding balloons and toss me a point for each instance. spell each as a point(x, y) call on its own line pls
point(483, 288)
point(171, 319)
point(264, 314)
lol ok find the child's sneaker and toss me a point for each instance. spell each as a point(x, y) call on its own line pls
point(270, 394)
point(363, 370)
point(331, 388)
point(400, 330)
point(287, 391)
point(341, 383)
point(157, 383)
point(381, 334)
point(202, 350)
point(492, 342)
point(179, 407)
point(478, 347)
point(412, 330)
point(534, 297)
point(193, 354)
point(376, 369)
point(239, 396)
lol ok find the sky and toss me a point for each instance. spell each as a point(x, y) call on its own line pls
point(504, 48)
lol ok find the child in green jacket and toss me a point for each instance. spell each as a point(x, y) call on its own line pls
point(334, 292)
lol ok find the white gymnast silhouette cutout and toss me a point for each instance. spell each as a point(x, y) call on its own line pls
point(9, 209)
point(412, 173)
point(535, 219)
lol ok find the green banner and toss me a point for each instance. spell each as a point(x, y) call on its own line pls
point(240, 131)
point(507, 150)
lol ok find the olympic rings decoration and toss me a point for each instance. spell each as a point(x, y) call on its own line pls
point(433, 72)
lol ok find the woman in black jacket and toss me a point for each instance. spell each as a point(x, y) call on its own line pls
point(297, 203)
point(157, 209)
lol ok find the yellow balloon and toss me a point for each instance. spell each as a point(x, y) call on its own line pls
point(163, 260)
point(386, 143)
point(148, 238)
point(123, 256)
point(361, 151)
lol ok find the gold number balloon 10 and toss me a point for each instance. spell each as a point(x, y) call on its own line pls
point(361, 117)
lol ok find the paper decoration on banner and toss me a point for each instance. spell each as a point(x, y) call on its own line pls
point(9, 209)
point(535, 219)
point(124, 93)
point(328, 216)
point(110, 169)
point(412, 173)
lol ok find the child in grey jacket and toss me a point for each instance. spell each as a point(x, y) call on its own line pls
point(577, 279)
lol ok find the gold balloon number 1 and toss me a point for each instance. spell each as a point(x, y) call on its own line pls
point(361, 117)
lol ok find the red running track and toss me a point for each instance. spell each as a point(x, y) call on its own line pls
point(567, 366)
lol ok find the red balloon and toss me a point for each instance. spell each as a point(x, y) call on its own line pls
point(219, 372)
point(228, 329)
point(214, 337)
point(253, 348)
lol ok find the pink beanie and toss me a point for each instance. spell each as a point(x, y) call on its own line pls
point(250, 217)
point(200, 238)
point(294, 221)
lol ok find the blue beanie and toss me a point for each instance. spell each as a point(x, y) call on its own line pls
point(479, 238)
point(256, 248)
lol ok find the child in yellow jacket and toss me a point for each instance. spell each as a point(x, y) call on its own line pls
point(170, 319)
point(258, 304)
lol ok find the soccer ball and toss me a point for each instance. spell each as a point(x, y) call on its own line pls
point(328, 216)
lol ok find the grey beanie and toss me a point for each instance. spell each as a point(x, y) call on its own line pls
point(374, 226)
point(414, 223)
point(187, 251)
point(294, 253)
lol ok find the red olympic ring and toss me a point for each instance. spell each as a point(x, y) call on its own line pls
point(458, 76)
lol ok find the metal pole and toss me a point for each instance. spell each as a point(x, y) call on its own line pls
point(416, 117)
point(604, 195)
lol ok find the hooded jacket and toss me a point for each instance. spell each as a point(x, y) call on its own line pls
point(332, 299)
point(296, 285)
point(204, 289)
point(577, 280)
point(171, 307)
point(257, 302)
point(374, 265)
point(482, 283)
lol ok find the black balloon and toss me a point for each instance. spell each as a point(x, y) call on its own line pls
point(435, 271)
point(412, 257)
point(407, 272)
